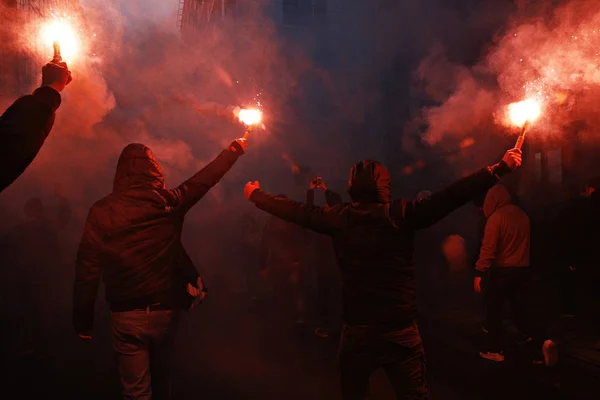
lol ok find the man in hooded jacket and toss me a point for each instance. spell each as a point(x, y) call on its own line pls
point(505, 255)
point(373, 240)
point(132, 240)
point(26, 124)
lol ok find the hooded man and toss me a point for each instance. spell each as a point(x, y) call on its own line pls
point(505, 254)
point(373, 241)
point(26, 124)
point(132, 240)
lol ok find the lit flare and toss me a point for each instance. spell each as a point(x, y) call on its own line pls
point(61, 33)
point(523, 113)
point(250, 116)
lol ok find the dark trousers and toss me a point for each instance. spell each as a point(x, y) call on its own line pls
point(506, 284)
point(144, 342)
point(400, 353)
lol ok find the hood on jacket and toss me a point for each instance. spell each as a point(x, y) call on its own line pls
point(496, 198)
point(370, 182)
point(138, 168)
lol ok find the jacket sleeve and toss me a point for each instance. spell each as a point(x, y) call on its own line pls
point(88, 272)
point(323, 220)
point(192, 190)
point(24, 127)
point(423, 213)
point(489, 246)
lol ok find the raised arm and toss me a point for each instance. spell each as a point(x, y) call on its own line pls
point(26, 124)
point(420, 214)
point(88, 272)
point(331, 198)
point(323, 220)
point(192, 190)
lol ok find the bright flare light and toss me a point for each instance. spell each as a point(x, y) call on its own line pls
point(250, 116)
point(60, 31)
point(524, 111)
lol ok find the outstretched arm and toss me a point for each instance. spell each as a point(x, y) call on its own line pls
point(420, 214)
point(192, 190)
point(26, 124)
point(323, 220)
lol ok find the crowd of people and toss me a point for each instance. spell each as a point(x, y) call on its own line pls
point(132, 242)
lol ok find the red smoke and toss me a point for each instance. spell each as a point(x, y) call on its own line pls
point(553, 53)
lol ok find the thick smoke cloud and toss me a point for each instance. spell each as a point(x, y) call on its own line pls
point(547, 51)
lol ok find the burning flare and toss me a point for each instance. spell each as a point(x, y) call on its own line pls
point(61, 32)
point(523, 112)
point(250, 116)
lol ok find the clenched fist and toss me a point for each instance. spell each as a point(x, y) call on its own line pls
point(56, 75)
point(513, 158)
point(250, 188)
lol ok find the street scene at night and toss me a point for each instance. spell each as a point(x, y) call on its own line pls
point(299, 199)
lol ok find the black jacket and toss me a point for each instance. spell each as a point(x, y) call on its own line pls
point(24, 127)
point(132, 237)
point(373, 237)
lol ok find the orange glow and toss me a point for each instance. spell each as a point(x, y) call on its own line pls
point(524, 111)
point(62, 32)
point(250, 116)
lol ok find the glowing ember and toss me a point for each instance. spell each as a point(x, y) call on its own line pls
point(250, 116)
point(61, 32)
point(524, 111)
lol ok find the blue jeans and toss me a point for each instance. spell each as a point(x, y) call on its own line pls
point(144, 343)
point(399, 352)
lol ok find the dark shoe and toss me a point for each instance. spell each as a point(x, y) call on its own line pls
point(492, 355)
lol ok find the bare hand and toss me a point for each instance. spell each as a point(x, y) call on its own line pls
point(513, 158)
point(242, 142)
point(56, 75)
point(197, 292)
point(477, 284)
point(318, 183)
point(250, 188)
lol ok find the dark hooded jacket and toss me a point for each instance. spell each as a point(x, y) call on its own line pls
point(24, 127)
point(373, 237)
point(132, 237)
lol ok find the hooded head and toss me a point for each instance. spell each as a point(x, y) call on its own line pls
point(138, 169)
point(496, 198)
point(370, 182)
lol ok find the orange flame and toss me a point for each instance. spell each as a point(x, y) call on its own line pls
point(62, 32)
point(250, 116)
point(524, 111)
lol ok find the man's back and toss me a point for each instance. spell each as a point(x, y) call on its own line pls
point(376, 262)
point(514, 239)
point(141, 236)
